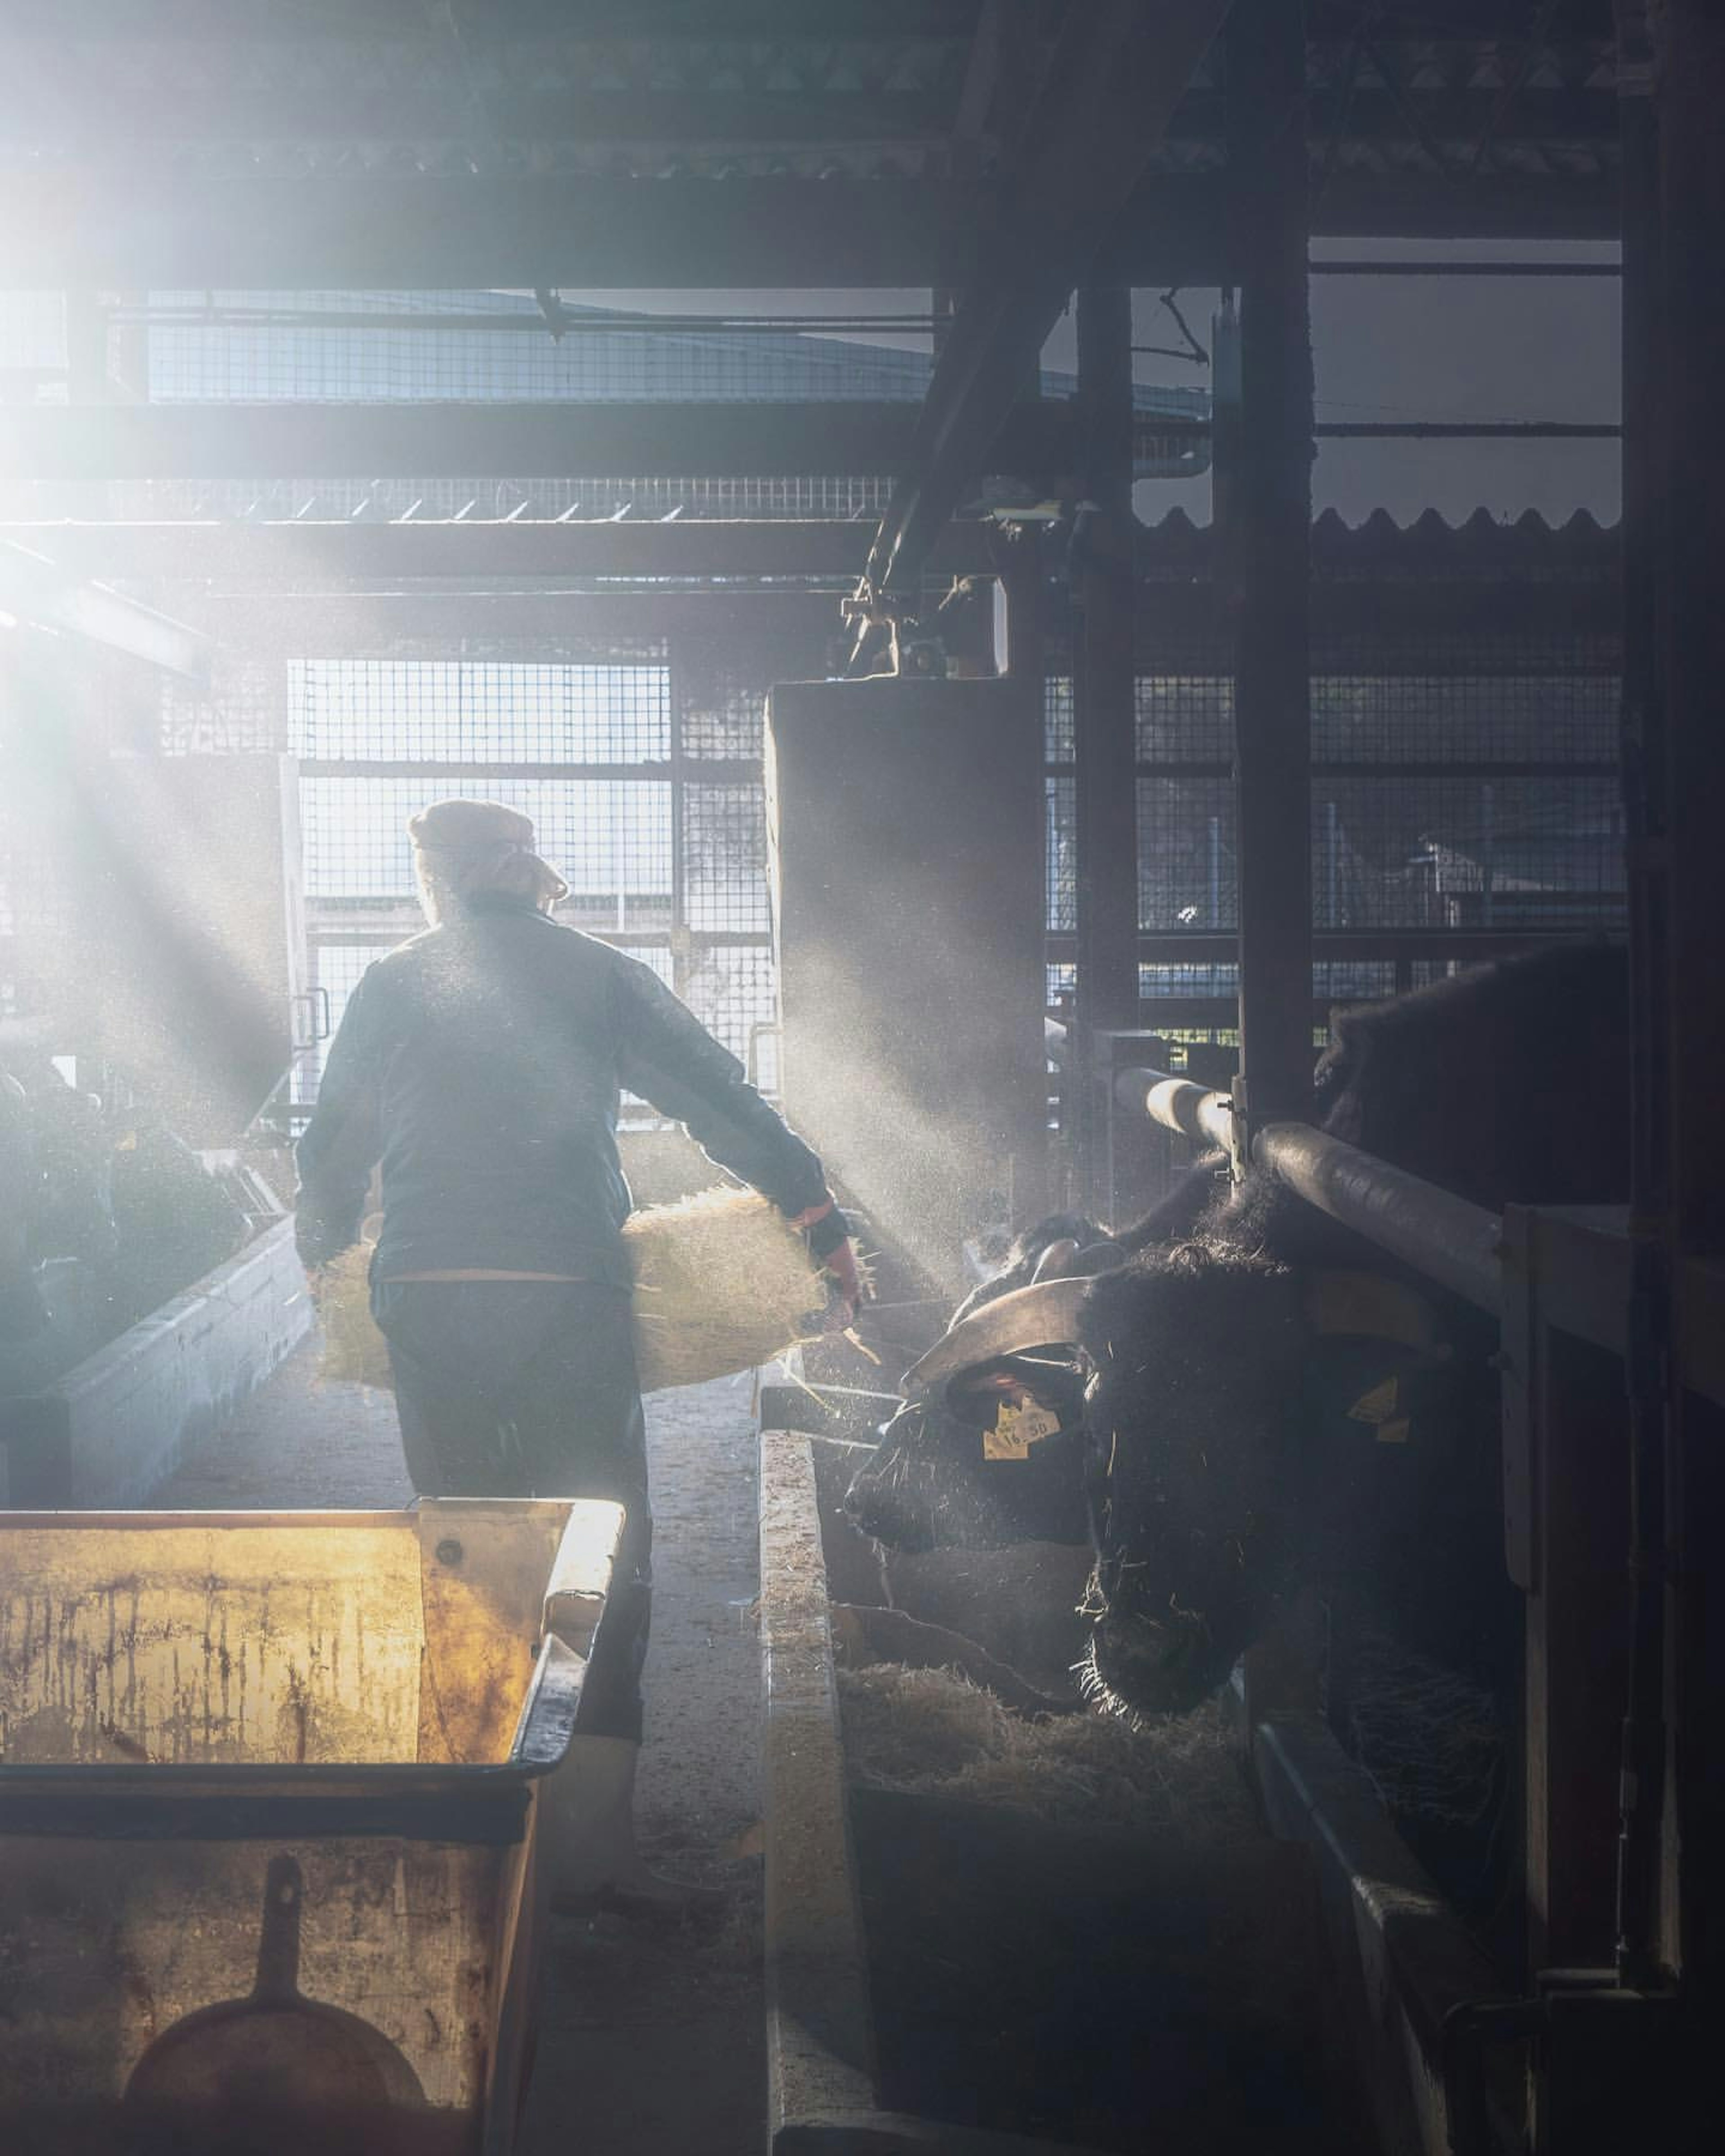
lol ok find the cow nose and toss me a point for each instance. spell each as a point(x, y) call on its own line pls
point(1151, 1667)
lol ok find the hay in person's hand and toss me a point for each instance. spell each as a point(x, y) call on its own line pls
point(723, 1282)
point(354, 1351)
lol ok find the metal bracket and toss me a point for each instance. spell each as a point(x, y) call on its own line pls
point(1585, 2006)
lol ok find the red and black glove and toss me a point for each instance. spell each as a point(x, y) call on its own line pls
point(828, 1234)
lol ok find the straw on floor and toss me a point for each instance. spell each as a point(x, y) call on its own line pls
point(933, 1732)
point(722, 1282)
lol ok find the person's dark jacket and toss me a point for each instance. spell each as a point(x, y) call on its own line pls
point(483, 1063)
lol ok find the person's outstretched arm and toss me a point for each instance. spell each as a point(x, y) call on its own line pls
point(668, 1057)
point(340, 1145)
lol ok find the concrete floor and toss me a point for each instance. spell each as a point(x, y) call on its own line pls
point(651, 2037)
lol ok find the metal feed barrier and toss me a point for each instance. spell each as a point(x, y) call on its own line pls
point(821, 2096)
point(1450, 1240)
point(1440, 2033)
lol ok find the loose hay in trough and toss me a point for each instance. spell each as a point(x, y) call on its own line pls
point(932, 1732)
point(722, 1282)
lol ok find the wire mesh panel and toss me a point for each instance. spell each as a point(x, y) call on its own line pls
point(669, 862)
point(724, 715)
point(1187, 868)
point(1472, 852)
point(1061, 796)
point(1060, 740)
point(485, 347)
point(1352, 981)
point(422, 710)
point(1179, 983)
point(732, 989)
point(243, 711)
point(1185, 717)
point(1554, 719)
point(1464, 773)
point(725, 859)
point(611, 840)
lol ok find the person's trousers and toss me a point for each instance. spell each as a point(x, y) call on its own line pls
point(527, 1388)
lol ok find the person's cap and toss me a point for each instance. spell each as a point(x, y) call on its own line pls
point(462, 826)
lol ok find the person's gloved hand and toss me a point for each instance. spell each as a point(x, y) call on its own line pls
point(829, 1238)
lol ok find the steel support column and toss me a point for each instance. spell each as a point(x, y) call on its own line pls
point(1675, 1917)
point(1104, 721)
point(1270, 546)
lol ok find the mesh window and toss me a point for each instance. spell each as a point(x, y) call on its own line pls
point(491, 347)
point(1184, 718)
point(419, 710)
point(1356, 981)
point(732, 989)
point(242, 713)
point(1183, 981)
point(724, 860)
point(1188, 872)
point(1061, 860)
point(610, 838)
point(725, 717)
point(1466, 852)
point(1458, 718)
point(1059, 742)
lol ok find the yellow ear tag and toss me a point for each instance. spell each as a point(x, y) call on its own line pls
point(1378, 1407)
point(1016, 1429)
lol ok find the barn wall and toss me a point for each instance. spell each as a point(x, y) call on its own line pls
point(186, 949)
point(906, 831)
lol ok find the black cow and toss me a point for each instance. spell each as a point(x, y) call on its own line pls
point(1256, 1400)
point(931, 1483)
point(1247, 1433)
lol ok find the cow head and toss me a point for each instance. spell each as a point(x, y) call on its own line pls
point(1196, 1353)
point(991, 1455)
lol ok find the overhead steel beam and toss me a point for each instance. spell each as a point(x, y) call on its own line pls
point(127, 228)
point(1448, 206)
point(356, 624)
point(316, 554)
point(42, 594)
point(1456, 118)
point(713, 440)
point(1116, 74)
point(496, 20)
point(58, 106)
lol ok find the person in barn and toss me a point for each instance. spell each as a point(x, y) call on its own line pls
point(481, 1064)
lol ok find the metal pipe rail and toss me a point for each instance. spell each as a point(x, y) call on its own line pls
point(1447, 1239)
point(1178, 1105)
